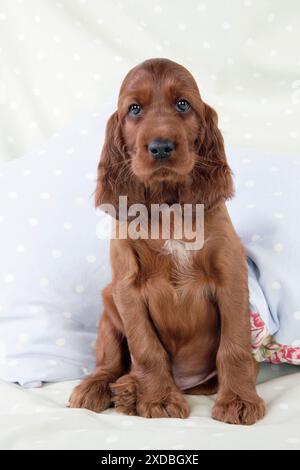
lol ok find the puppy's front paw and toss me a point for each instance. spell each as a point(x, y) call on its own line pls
point(124, 394)
point(239, 411)
point(171, 405)
point(92, 393)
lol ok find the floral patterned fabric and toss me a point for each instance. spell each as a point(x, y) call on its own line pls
point(266, 348)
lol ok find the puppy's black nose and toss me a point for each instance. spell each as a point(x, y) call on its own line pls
point(161, 149)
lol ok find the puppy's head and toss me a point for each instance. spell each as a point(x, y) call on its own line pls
point(163, 134)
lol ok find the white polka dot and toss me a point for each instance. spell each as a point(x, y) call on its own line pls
point(296, 343)
point(278, 247)
point(33, 222)
point(270, 17)
point(60, 342)
point(12, 363)
point(249, 184)
point(56, 253)
point(79, 289)
point(279, 215)
point(67, 315)
point(34, 309)
point(297, 315)
point(40, 409)
point(20, 248)
point(283, 406)
point(276, 285)
point(68, 225)
point(90, 176)
point(23, 338)
point(45, 196)
point(91, 259)
point(226, 25)
point(51, 362)
point(13, 195)
point(70, 151)
point(26, 172)
point(127, 422)
point(292, 440)
point(57, 172)
point(79, 200)
point(9, 278)
point(189, 423)
point(93, 344)
point(255, 237)
point(44, 282)
point(1, 219)
point(278, 387)
point(111, 439)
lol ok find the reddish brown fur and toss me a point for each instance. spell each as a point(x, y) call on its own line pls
point(165, 322)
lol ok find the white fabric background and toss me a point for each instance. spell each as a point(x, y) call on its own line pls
point(61, 58)
point(38, 419)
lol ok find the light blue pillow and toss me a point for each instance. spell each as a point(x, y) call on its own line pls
point(266, 215)
point(54, 265)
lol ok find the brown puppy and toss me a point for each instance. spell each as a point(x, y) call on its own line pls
point(171, 322)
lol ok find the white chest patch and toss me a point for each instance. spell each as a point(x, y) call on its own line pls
point(177, 249)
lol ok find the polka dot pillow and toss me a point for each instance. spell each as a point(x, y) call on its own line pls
point(265, 212)
point(53, 265)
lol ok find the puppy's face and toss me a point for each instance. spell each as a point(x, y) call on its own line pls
point(160, 111)
point(162, 132)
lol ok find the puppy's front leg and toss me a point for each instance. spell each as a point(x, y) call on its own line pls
point(149, 390)
point(237, 400)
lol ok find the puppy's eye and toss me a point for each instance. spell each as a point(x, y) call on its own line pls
point(134, 109)
point(182, 106)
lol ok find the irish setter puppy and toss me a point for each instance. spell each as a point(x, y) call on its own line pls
point(174, 322)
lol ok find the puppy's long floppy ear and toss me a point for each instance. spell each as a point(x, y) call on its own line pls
point(212, 173)
point(113, 163)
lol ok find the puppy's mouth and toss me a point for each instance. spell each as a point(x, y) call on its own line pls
point(163, 171)
point(174, 168)
point(167, 173)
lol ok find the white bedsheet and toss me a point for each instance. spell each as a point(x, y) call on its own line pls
point(39, 419)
